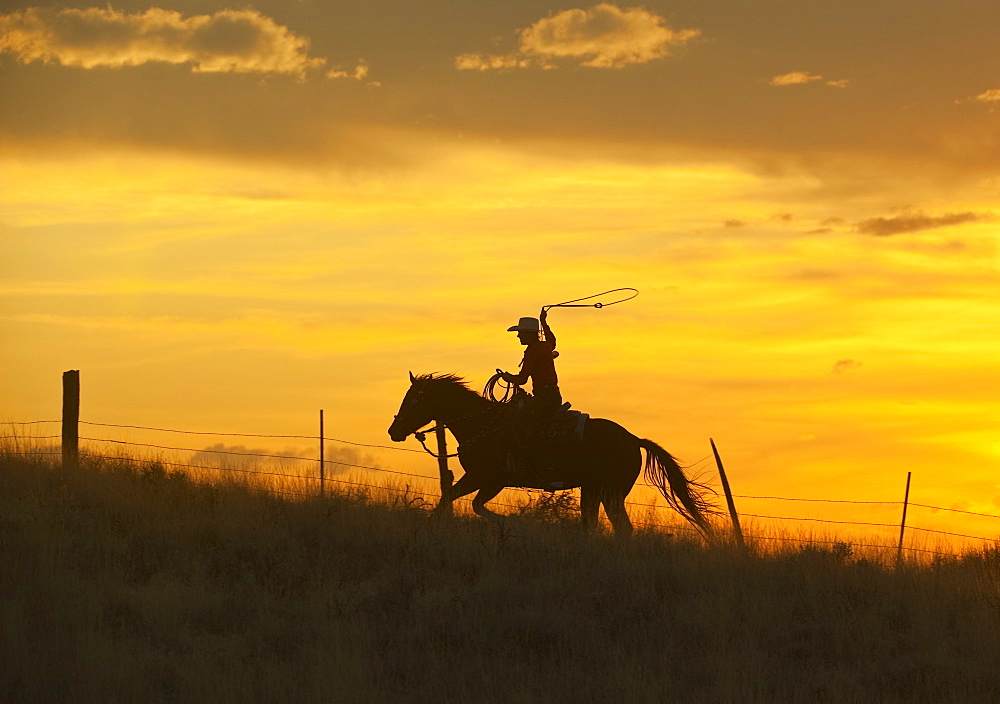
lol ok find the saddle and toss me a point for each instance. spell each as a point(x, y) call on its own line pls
point(565, 426)
point(538, 426)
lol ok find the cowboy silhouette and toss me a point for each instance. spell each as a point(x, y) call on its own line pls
point(538, 363)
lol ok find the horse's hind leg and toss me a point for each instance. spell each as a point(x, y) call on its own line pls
point(590, 506)
point(479, 502)
point(614, 506)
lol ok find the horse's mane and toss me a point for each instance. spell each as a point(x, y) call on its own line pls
point(450, 379)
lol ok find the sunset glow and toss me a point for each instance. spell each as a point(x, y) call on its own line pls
point(229, 219)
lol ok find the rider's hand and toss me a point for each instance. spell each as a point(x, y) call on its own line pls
point(544, 315)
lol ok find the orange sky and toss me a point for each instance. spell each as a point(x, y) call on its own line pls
point(228, 219)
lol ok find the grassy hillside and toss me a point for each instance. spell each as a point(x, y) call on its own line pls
point(133, 584)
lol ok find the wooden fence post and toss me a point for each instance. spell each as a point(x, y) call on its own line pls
point(447, 477)
point(71, 419)
point(322, 456)
point(902, 523)
point(737, 530)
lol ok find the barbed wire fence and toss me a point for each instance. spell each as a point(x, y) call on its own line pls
point(652, 508)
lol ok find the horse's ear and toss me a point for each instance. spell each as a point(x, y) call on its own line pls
point(412, 378)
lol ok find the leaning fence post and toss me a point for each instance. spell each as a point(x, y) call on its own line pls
point(737, 530)
point(447, 476)
point(902, 523)
point(322, 456)
point(71, 419)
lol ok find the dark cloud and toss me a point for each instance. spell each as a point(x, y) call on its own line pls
point(734, 223)
point(710, 103)
point(243, 457)
point(339, 459)
point(844, 365)
point(814, 274)
point(915, 222)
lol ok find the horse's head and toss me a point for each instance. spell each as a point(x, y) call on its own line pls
point(416, 410)
point(433, 397)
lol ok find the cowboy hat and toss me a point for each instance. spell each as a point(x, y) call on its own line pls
point(525, 325)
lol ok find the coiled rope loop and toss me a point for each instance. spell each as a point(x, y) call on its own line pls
point(509, 389)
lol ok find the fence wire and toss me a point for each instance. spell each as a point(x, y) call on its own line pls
point(818, 520)
point(292, 476)
point(432, 478)
point(249, 435)
point(956, 510)
point(959, 535)
point(642, 523)
point(29, 437)
point(831, 501)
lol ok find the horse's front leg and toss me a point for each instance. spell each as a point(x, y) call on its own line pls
point(479, 502)
point(463, 486)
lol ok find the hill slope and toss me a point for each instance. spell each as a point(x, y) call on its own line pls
point(121, 584)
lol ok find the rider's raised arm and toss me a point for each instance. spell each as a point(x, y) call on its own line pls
point(549, 335)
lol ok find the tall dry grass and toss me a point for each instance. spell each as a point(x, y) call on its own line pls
point(122, 581)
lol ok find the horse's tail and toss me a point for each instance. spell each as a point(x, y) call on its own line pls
point(684, 496)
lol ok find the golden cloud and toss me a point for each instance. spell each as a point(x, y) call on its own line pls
point(795, 78)
point(240, 41)
point(798, 78)
point(484, 62)
point(605, 36)
point(989, 96)
point(358, 73)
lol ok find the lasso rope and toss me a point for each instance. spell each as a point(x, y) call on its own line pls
point(575, 303)
point(510, 390)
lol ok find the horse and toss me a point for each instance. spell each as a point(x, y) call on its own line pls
point(604, 465)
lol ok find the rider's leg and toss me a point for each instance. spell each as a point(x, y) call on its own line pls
point(547, 398)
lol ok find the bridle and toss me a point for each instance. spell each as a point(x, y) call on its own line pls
point(421, 435)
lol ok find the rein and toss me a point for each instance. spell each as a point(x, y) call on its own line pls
point(421, 435)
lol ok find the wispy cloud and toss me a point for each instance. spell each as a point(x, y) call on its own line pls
point(358, 73)
point(989, 96)
point(795, 78)
point(798, 78)
point(239, 41)
point(487, 62)
point(915, 222)
point(604, 36)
